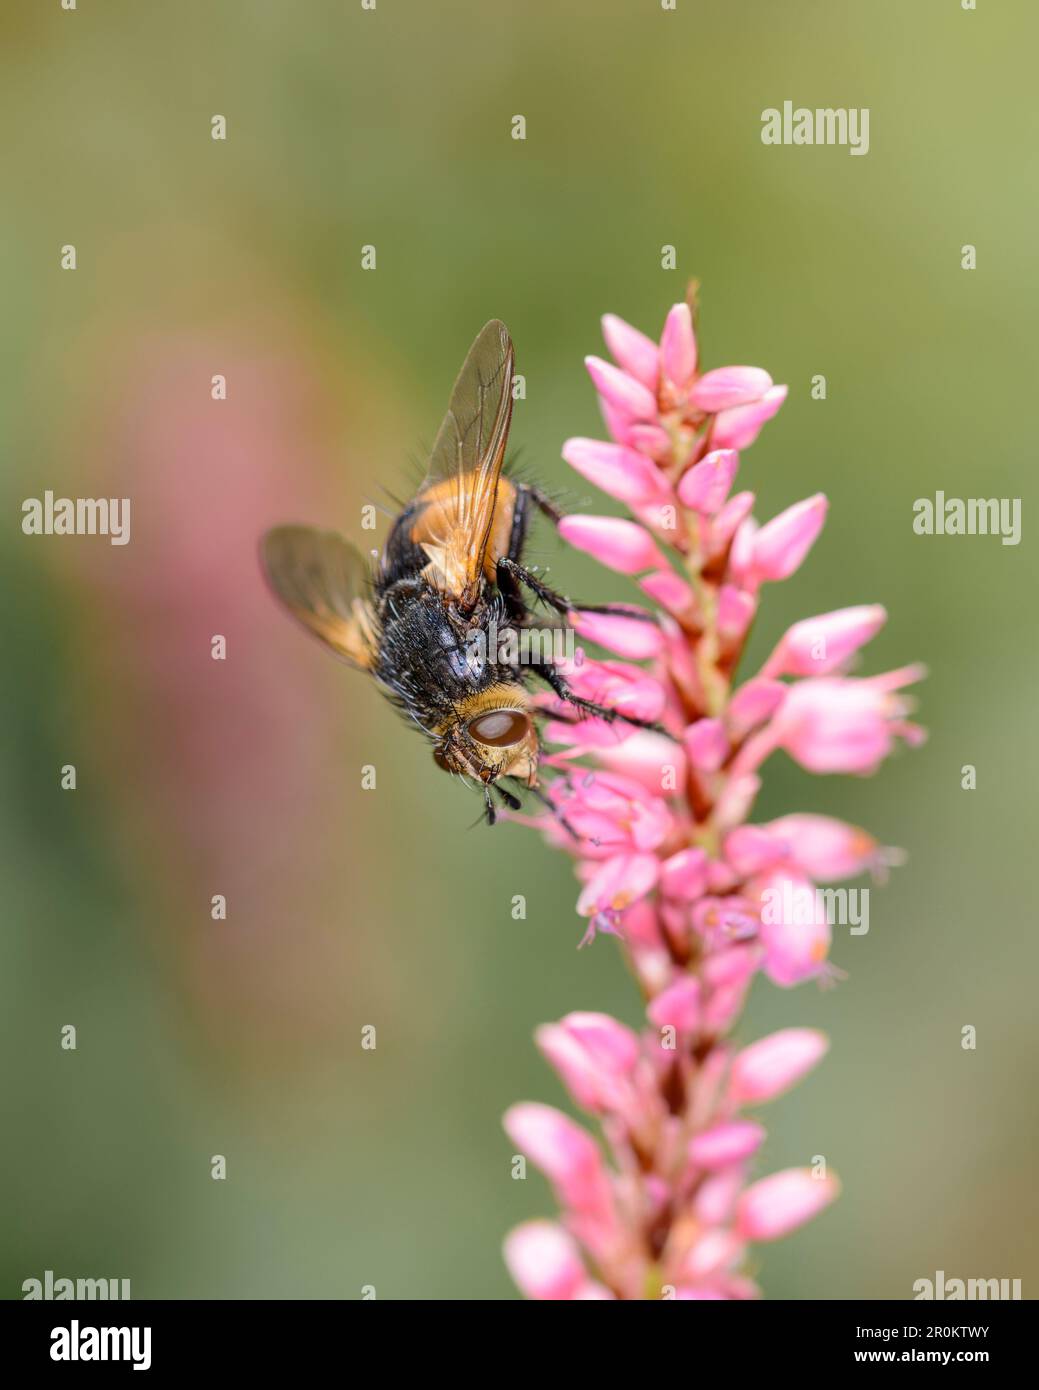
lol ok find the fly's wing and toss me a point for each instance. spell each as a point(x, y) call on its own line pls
point(322, 580)
point(461, 487)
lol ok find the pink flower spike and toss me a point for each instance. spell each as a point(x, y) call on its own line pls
point(739, 427)
point(678, 1006)
point(617, 883)
point(730, 1142)
point(633, 352)
point(705, 487)
point(621, 392)
point(727, 387)
point(772, 1065)
point(629, 637)
point(818, 646)
point(655, 821)
point(678, 347)
point(618, 471)
point(782, 543)
point(621, 545)
point(543, 1261)
point(779, 1204)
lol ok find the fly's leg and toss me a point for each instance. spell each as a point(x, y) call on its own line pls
point(589, 708)
point(514, 574)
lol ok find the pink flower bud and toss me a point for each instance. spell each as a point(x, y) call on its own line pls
point(636, 354)
point(563, 1151)
point(705, 487)
point(735, 803)
point(621, 392)
point(827, 849)
point(628, 689)
point(741, 554)
point(729, 520)
point(782, 543)
point(716, 1197)
point(714, 1253)
point(543, 1261)
point(727, 387)
point(707, 744)
point(817, 646)
point(678, 347)
point(750, 849)
point(594, 1055)
point(836, 724)
point(630, 637)
point(678, 1006)
point(651, 440)
point(684, 875)
point(622, 545)
point(739, 427)
point(651, 759)
point(754, 702)
point(666, 588)
point(779, 1204)
point(730, 1142)
point(618, 471)
point(734, 966)
point(772, 1065)
point(736, 609)
point(618, 882)
point(795, 931)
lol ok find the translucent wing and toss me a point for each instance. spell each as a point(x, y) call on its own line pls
point(322, 580)
point(461, 487)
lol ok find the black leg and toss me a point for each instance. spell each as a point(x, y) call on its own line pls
point(547, 801)
point(557, 681)
point(508, 584)
point(511, 801)
point(544, 504)
point(511, 570)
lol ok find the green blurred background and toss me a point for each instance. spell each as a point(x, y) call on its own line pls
point(389, 1168)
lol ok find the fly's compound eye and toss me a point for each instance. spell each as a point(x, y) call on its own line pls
point(500, 728)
